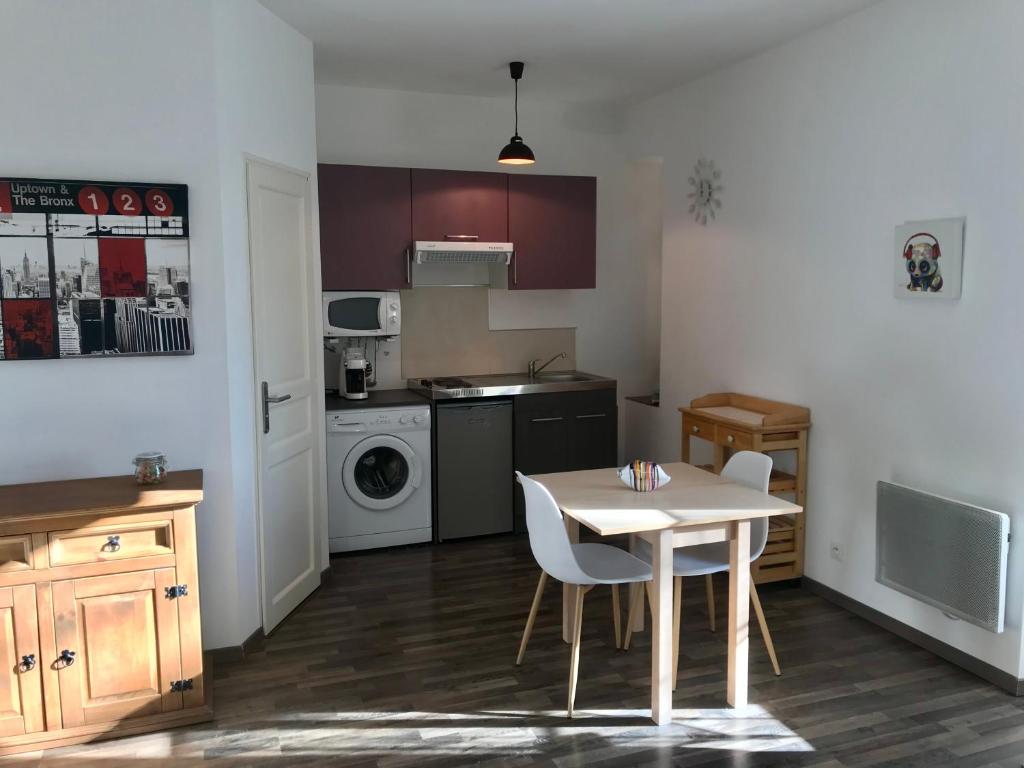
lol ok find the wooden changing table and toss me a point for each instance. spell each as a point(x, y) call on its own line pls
point(734, 422)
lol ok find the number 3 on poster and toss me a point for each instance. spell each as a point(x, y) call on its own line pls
point(159, 203)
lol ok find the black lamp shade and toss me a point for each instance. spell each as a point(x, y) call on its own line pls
point(516, 153)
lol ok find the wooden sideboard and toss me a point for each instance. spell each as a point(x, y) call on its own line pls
point(99, 610)
point(734, 422)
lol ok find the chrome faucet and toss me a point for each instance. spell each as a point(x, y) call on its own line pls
point(532, 368)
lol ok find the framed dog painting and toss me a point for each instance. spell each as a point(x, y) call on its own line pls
point(929, 259)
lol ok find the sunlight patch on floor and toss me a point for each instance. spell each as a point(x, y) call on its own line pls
point(750, 730)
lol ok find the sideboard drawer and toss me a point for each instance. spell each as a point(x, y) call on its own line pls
point(733, 438)
point(113, 542)
point(15, 553)
point(698, 428)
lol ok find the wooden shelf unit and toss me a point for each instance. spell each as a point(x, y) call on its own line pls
point(734, 422)
point(99, 589)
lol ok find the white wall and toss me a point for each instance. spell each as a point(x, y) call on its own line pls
point(423, 130)
point(266, 110)
point(174, 92)
point(908, 110)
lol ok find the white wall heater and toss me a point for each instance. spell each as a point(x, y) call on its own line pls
point(945, 553)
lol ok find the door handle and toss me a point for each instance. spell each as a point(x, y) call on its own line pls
point(267, 400)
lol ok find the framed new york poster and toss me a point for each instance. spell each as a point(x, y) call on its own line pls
point(93, 269)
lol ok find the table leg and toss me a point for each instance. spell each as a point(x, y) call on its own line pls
point(636, 594)
point(661, 630)
point(739, 613)
point(572, 527)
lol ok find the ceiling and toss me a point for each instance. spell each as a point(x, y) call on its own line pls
point(580, 51)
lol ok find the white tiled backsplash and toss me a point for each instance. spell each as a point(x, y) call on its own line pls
point(445, 332)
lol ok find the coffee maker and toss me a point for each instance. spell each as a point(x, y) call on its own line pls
point(354, 373)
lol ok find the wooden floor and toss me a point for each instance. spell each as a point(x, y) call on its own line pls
point(407, 660)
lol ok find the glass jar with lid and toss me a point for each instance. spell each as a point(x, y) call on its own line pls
point(150, 468)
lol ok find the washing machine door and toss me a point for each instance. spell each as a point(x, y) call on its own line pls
point(381, 472)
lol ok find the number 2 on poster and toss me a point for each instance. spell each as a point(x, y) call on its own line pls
point(127, 202)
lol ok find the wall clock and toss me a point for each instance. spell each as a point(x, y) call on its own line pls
point(705, 197)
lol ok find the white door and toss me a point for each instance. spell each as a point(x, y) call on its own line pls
point(285, 344)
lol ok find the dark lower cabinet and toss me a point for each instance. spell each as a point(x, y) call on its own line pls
point(563, 432)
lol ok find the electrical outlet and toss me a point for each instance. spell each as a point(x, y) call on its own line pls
point(835, 551)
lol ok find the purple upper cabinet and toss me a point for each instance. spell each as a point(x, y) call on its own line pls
point(552, 223)
point(450, 204)
point(365, 227)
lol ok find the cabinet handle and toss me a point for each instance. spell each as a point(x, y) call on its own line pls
point(547, 418)
point(462, 238)
point(730, 439)
point(67, 657)
point(113, 544)
point(515, 268)
point(408, 267)
point(592, 416)
point(28, 663)
point(695, 429)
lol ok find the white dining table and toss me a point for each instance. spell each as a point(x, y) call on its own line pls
point(696, 507)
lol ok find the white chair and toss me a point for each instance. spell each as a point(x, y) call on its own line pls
point(744, 468)
point(582, 566)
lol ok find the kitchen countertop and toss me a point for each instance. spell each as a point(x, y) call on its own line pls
point(510, 384)
point(379, 398)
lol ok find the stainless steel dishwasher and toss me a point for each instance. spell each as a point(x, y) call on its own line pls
point(474, 468)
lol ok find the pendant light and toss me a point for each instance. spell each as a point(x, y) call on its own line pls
point(516, 152)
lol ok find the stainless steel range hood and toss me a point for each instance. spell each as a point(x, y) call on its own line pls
point(456, 263)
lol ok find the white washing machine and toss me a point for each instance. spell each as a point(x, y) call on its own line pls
point(378, 486)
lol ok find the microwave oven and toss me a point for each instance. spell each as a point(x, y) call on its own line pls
point(362, 313)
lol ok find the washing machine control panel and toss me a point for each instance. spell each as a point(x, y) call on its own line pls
point(378, 420)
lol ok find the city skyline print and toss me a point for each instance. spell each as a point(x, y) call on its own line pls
point(93, 269)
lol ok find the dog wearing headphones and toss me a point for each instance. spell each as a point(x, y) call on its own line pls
point(922, 259)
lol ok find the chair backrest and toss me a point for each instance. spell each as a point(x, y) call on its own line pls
point(753, 470)
point(548, 537)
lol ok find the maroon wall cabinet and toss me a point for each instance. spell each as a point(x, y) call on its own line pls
point(451, 203)
point(552, 223)
point(365, 227)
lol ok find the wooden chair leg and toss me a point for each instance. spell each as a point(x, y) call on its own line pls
point(635, 605)
point(709, 588)
point(764, 627)
point(532, 618)
point(677, 598)
point(616, 615)
point(574, 661)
